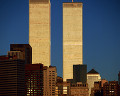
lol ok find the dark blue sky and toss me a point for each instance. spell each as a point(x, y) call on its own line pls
point(101, 32)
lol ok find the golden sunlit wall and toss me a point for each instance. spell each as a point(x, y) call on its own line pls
point(39, 31)
point(72, 38)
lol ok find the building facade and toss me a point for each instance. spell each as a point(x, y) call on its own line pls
point(80, 73)
point(62, 89)
point(97, 90)
point(49, 79)
point(39, 31)
point(72, 37)
point(16, 55)
point(79, 89)
point(92, 76)
point(25, 50)
point(34, 80)
point(111, 89)
point(12, 74)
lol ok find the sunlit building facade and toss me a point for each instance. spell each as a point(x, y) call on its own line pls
point(92, 76)
point(49, 80)
point(72, 37)
point(39, 31)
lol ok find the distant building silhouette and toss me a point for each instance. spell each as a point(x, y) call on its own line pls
point(12, 73)
point(25, 49)
point(92, 76)
point(34, 80)
point(80, 73)
point(119, 78)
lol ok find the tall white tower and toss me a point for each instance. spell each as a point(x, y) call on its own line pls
point(39, 31)
point(72, 37)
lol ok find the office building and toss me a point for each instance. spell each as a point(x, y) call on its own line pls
point(34, 80)
point(80, 73)
point(79, 89)
point(16, 55)
point(39, 31)
point(92, 76)
point(97, 90)
point(62, 89)
point(72, 37)
point(25, 49)
point(12, 74)
point(111, 89)
point(49, 79)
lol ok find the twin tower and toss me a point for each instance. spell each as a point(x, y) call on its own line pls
point(40, 39)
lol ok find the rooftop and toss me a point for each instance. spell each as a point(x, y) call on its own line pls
point(92, 71)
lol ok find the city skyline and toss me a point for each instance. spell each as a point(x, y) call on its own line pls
point(100, 33)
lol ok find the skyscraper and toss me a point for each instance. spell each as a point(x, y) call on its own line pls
point(72, 37)
point(79, 73)
point(39, 31)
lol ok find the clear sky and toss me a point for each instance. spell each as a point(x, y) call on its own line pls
point(101, 32)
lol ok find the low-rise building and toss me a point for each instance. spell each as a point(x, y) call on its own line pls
point(79, 89)
point(111, 89)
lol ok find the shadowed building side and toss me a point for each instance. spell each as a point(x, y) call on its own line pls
point(34, 80)
point(12, 73)
point(25, 52)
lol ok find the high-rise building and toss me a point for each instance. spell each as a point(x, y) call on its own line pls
point(80, 73)
point(12, 77)
point(34, 80)
point(25, 50)
point(39, 31)
point(49, 79)
point(72, 37)
point(92, 76)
